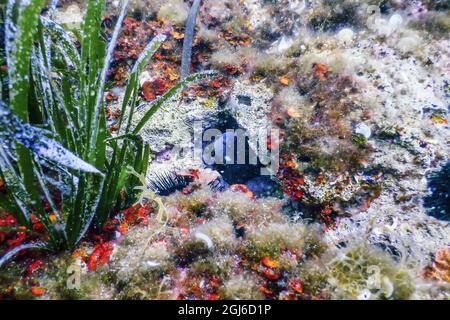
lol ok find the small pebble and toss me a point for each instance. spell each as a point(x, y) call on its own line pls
point(364, 130)
point(346, 35)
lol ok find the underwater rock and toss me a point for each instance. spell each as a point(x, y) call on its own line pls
point(170, 131)
point(259, 14)
point(250, 105)
point(173, 124)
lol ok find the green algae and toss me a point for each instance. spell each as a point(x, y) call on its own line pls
point(360, 140)
point(359, 271)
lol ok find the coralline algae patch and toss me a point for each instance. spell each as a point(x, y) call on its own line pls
point(360, 94)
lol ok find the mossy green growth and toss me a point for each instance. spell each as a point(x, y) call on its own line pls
point(191, 251)
point(362, 273)
point(436, 23)
point(141, 288)
point(313, 282)
point(198, 208)
point(314, 247)
point(323, 136)
point(57, 278)
point(359, 140)
point(217, 265)
point(241, 287)
point(11, 286)
point(273, 239)
point(388, 133)
point(195, 205)
point(52, 277)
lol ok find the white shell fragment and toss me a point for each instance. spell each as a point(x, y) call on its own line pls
point(151, 264)
point(387, 287)
point(205, 239)
point(364, 130)
point(395, 21)
point(346, 35)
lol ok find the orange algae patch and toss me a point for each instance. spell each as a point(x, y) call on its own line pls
point(440, 269)
point(33, 267)
point(100, 255)
point(37, 291)
point(271, 275)
point(177, 35)
point(266, 292)
point(270, 263)
point(284, 81)
point(17, 241)
point(439, 120)
point(296, 286)
point(242, 188)
point(320, 71)
point(293, 113)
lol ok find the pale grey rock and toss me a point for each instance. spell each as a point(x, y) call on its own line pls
point(250, 104)
point(172, 127)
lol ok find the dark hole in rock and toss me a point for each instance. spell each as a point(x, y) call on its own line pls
point(271, 35)
point(264, 186)
point(308, 213)
point(239, 231)
point(389, 248)
point(385, 7)
point(437, 202)
point(439, 5)
point(246, 100)
point(138, 14)
point(342, 244)
point(107, 23)
point(234, 173)
point(190, 252)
